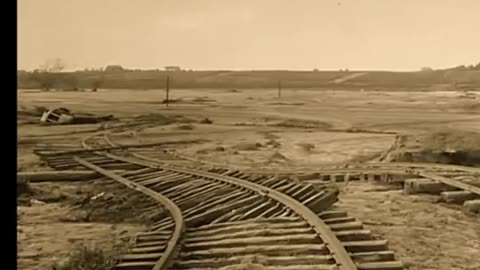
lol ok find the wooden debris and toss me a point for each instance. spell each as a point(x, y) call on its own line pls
point(457, 196)
point(422, 185)
point(47, 176)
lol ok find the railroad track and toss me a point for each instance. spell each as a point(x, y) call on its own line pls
point(452, 183)
point(221, 218)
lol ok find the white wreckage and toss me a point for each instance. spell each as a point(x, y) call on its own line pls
point(57, 116)
point(64, 116)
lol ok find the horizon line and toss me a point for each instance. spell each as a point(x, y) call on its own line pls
point(423, 69)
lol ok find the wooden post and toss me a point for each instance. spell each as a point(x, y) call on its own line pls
point(279, 88)
point(168, 90)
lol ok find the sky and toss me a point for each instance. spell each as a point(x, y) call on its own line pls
point(250, 34)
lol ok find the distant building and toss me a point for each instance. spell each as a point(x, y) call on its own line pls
point(172, 68)
point(114, 68)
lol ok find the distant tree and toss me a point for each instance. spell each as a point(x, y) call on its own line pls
point(477, 66)
point(47, 74)
point(427, 69)
point(53, 65)
point(114, 68)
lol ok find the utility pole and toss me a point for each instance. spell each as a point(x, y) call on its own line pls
point(168, 90)
point(279, 88)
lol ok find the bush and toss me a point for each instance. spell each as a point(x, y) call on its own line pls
point(86, 258)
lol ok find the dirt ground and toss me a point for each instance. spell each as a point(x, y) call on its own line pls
point(423, 234)
point(340, 125)
point(45, 239)
point(255, 128)
point(52, 223)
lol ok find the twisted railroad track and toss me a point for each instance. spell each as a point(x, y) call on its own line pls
point(452, 183)
point(219, 218)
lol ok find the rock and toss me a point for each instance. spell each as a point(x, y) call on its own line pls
point(422, 185)
point(36, 202)
point(206, 121)
point(472, 206)
point(185, 127)
point(246, 146)
point(457, 196)
point(78, 216)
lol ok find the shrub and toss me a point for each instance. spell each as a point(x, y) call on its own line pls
point(86, 258)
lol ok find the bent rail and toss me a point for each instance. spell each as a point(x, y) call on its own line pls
point(175, 212)
point(342, 258)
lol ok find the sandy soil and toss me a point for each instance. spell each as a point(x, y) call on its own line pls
point(44, 239)
point(51, 224)
point(423, 234)
point(253, 127)
point(297, 147)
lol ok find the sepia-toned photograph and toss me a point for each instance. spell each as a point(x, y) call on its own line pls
point(248, 135)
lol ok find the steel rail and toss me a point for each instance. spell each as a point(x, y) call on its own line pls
point(398, 165)
point(358, 166)
point(342, 258)
point(421, 165)
point(172, 244)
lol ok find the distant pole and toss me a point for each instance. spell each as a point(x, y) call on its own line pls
point(279, 88)
point(168, 90)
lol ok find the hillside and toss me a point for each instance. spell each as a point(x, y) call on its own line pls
point(369, 80)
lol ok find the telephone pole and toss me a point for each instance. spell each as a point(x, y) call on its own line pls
point(279, 88)
point(168, 90)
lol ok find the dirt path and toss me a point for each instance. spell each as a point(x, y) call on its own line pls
point(349, 77)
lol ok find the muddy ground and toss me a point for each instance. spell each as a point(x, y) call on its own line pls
point(257, 129)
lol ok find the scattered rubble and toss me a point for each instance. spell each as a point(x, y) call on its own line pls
point(206, 121)
point(306, 146)
point(447, 147)
point(156, 118)
point(247, 146)
point(185, 127)
point(294, 123)
point(187, 100)
point(273, 143)
point(278, 158)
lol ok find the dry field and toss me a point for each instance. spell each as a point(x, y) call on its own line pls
point(255, 128)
